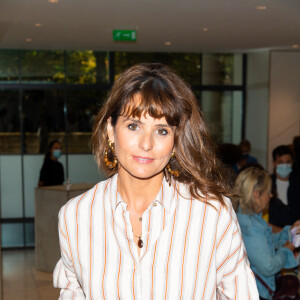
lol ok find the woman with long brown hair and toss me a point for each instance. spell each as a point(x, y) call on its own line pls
point(161, 226)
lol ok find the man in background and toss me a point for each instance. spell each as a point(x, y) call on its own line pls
point(285, 204)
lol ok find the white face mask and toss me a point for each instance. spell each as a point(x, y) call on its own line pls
point(284, 170)
point(57, 153)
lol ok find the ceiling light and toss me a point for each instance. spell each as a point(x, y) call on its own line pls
point(37, 24)
point(168, 43)
point(53, 1)
point(295, 46)
point(205, 29)
point(28, 40)
point(261, 7)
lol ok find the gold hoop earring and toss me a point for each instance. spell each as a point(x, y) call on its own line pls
point(169, 169)
point(110, 152)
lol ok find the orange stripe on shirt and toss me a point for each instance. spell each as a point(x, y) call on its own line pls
point(186, 232)
point(61, 231)
point(170, 250)
point(235, 267)
point(77, 234)
point(104, 268)
point(211, 256)
point(118, 284)
point(147, 236)
point(91, 252)
point(235, 251)
point(68, 233)
point(131, 255)
point(152, 269)
point(235, 288)
point(200, 242)
point(224, 233)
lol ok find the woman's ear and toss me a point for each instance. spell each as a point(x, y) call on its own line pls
point(110, 131)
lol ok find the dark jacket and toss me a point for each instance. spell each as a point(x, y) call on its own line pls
point(279, 213)
point(52, 172)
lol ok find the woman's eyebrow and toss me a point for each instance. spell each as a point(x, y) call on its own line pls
point(133, 120)
point(163, 125)
point(142, 123)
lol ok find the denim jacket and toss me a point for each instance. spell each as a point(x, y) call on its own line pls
point(264, 248)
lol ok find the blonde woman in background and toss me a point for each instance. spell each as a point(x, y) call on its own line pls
point(268, 252)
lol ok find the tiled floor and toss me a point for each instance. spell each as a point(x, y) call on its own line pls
point(20, 279)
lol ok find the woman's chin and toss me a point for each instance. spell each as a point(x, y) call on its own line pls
point(142, 174)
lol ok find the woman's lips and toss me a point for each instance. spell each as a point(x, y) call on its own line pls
point(143, 160)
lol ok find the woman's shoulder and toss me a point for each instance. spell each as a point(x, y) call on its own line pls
point(251, 223)
point(85, 199)
point(222, 212)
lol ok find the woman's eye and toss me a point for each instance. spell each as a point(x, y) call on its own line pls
point(133, 126)
point(162, 131)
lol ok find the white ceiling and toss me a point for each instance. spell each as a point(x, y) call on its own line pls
point(233, 25)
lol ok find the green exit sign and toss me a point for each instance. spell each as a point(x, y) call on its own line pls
point(124, 35)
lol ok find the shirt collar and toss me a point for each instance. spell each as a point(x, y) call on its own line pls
point(165, 197)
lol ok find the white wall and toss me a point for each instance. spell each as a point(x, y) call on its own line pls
point(82, 169)
point(257, 104)
point(284, 110)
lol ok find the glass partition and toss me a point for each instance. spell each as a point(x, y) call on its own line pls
point(223, 114)
point(187, 65)
point(10, 138)
point(222, 69)
point(82, 108)
point(87, 67)
point(43, 119)
point(9, 66)
point(42, 66)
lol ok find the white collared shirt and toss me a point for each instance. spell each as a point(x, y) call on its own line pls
point(192, 250)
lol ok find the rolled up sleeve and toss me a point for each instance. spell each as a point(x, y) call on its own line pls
point(236, 280)
point(64, 275)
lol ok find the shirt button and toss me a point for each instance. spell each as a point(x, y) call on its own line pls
point(154, 204)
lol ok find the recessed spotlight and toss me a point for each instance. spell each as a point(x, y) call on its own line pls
point(53, 1)
point(295, 46)
point(168, 43)
point(37, 24)
point(205, 29)
point(28, 40)
point(261, 7)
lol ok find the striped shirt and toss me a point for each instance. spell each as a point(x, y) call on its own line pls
point(192, 250)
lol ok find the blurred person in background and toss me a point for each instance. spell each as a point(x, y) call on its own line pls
point(268, 252)
point(296, 146)
point(245, 147)
point(52, 171)
point(285, 204)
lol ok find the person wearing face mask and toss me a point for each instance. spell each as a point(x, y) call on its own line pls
point(52, 172)
point(285, 205)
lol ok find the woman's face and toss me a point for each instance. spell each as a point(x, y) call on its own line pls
point(55, 151)
point(262, 199)
point(143, 146)
point(55, 146)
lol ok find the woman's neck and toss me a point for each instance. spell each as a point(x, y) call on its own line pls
point(138, 193)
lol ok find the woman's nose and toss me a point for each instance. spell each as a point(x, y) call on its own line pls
point(146, 141)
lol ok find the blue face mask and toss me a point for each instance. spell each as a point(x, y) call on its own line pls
point(284, 170)
point(56, 153)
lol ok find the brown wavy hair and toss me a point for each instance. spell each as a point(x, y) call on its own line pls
point(164, 94)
